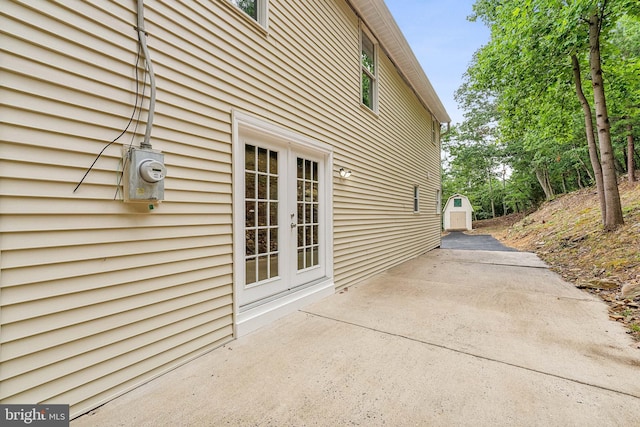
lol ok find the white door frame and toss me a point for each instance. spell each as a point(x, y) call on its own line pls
point(254, 316)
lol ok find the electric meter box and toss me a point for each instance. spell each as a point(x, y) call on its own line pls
point(143, 175)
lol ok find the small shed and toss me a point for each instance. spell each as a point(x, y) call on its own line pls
point(457, 213)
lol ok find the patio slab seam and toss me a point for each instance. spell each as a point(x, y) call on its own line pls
point(501, 264)
point(466, 353)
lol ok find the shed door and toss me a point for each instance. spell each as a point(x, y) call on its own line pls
point(458, 220)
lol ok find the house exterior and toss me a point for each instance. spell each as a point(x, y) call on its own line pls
point(457, 214)
point(300, 143)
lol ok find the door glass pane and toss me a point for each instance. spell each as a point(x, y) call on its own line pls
point(300, 168)
point(262, 186)
point(307, 191)
point(263, 268)
point(262, 159)
point(273, 265)
point(250, 214)
point(261, 214)
point(308, 256)
point(250, 270)
point(307, 209)
point(273, 239)
point(250, 185)
point(250, 157)
point(262, 240)
point(273, 187)
point(300, 259)
point(307, 169)
point(273, 213)
point(250, 237)
point(273, 163)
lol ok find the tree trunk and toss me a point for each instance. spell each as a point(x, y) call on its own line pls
point(548, 178)
point(504, 192)
point(493, 208)
point(580, 186)
point(591, 140)
point(586, 169)
point(631, 168)
point(613, 216)
point(544, 183)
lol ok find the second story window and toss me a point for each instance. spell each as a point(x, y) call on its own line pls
point(256, 9)
point(368, 65)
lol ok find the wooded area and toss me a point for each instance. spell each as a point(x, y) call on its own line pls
point(551, 104)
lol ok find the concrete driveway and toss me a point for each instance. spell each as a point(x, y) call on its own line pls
point(451, 338)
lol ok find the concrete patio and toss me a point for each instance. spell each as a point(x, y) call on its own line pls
point(450, 338)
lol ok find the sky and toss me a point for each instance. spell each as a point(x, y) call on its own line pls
point(442, 40)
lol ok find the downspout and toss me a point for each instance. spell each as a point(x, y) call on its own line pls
point(448, 129)
point(142, 34)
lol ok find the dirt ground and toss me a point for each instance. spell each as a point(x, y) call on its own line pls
point(567, 234)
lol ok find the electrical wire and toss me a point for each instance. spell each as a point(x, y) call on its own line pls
point(133, 114)
point(124, 159)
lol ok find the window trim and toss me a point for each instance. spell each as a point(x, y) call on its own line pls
point(364, 31)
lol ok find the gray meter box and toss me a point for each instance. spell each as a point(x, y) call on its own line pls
point(143, 175)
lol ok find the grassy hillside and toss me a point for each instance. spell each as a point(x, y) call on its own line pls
point(567, 234)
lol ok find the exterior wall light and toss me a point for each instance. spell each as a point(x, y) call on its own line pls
point(345, 173)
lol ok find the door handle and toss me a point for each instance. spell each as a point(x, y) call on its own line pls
point(293, 225)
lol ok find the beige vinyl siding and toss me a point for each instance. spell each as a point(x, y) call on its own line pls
point(98, 296)
point(375, 226)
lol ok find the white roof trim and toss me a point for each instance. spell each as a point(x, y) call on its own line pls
point(380, 21)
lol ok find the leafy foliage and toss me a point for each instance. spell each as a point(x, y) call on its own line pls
point(522, 115)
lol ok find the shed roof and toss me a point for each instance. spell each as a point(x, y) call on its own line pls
point(458, 195)
point(379, 20)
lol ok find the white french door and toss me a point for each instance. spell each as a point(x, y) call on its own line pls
point(285, 219)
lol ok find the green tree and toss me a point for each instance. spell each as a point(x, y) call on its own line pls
point(526, 66)
point(623, 77)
